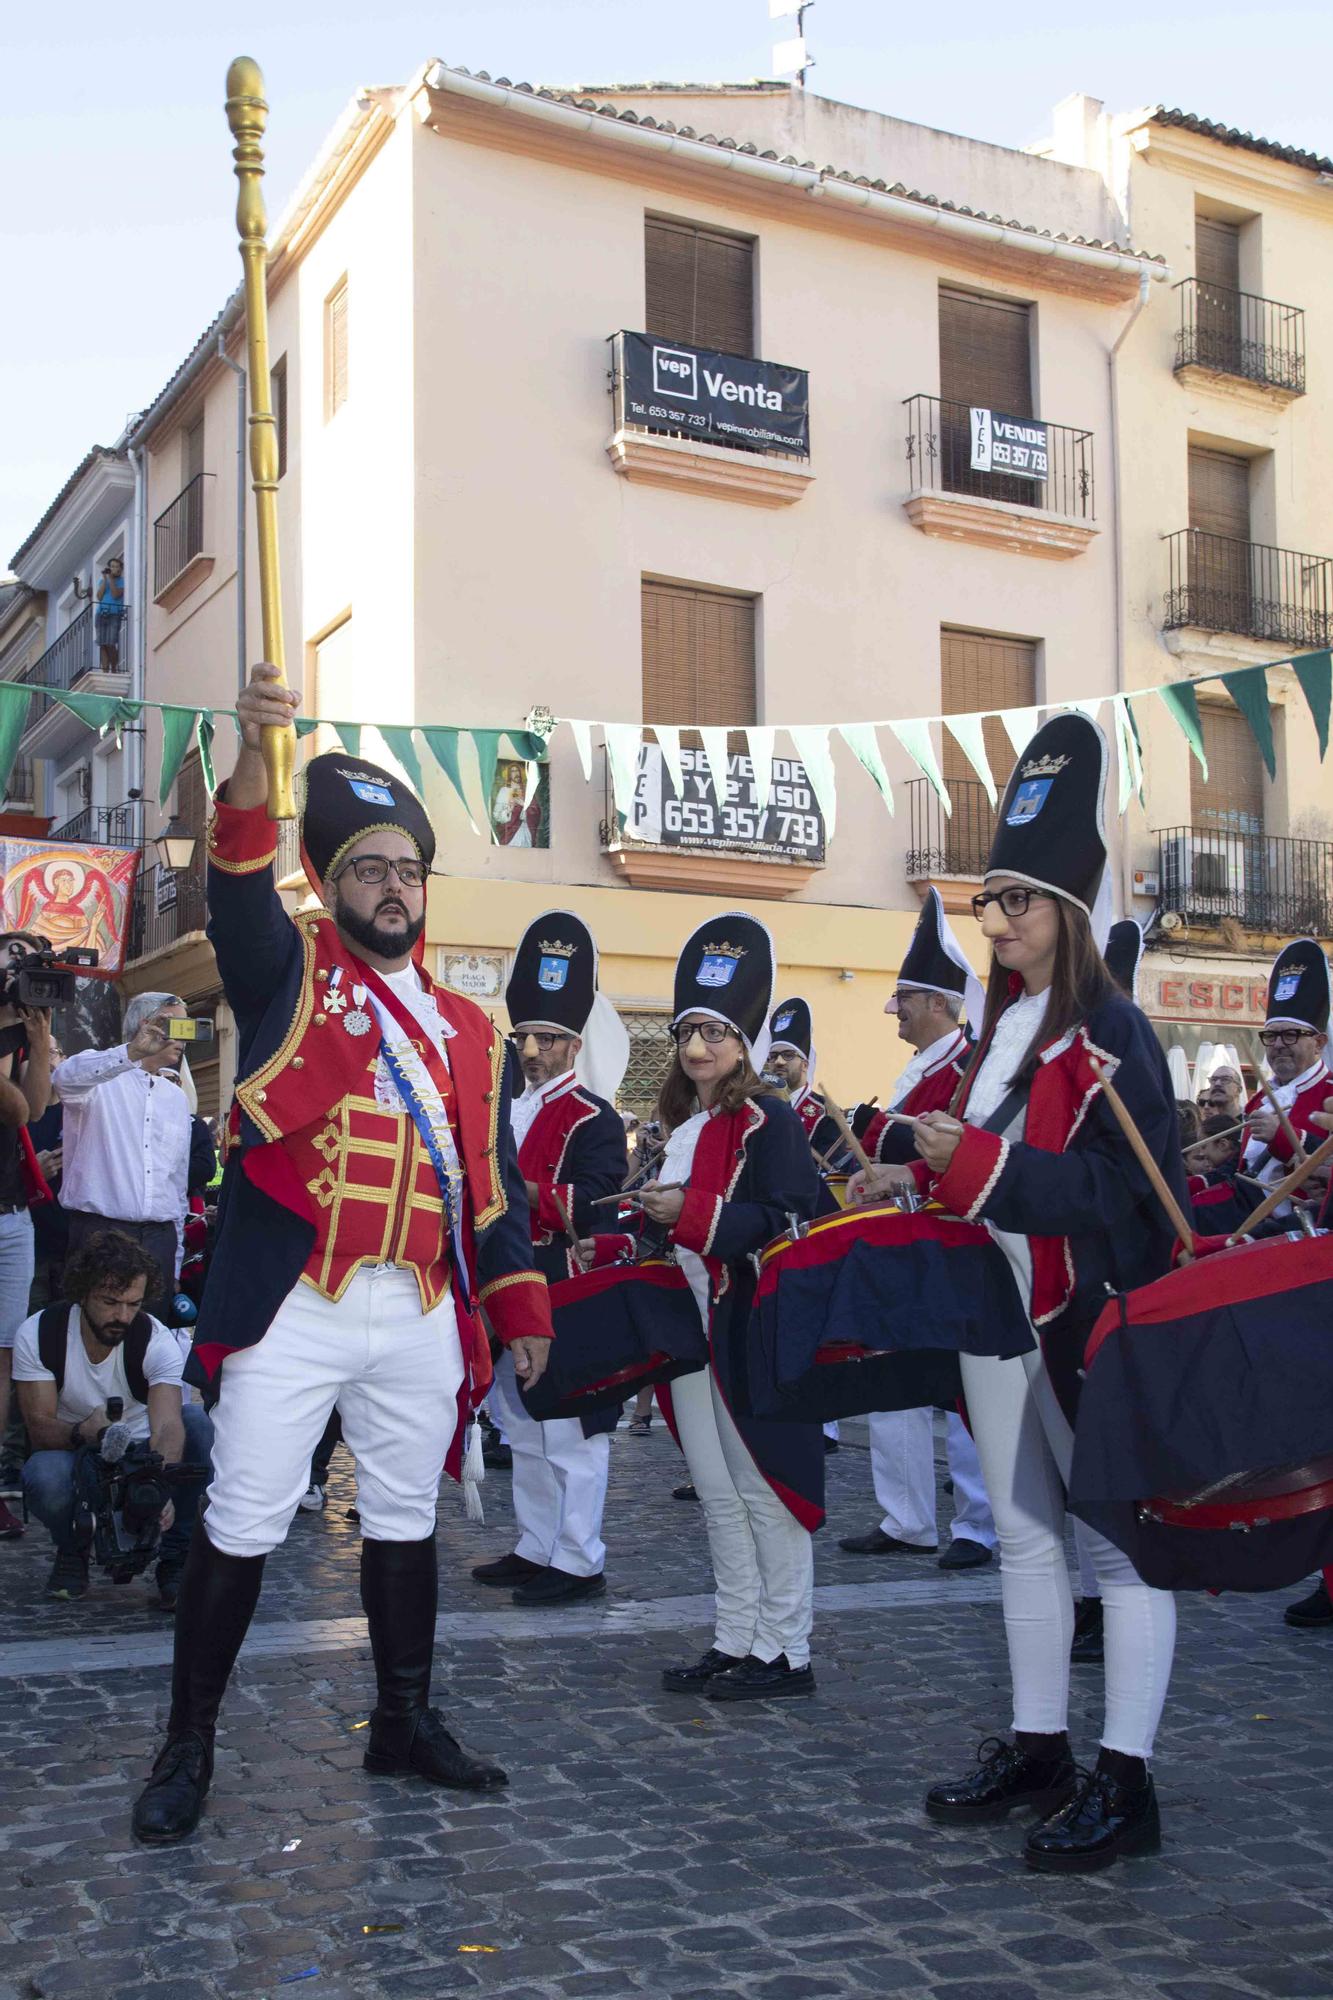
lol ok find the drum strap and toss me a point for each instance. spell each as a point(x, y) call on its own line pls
point(1005, 1112)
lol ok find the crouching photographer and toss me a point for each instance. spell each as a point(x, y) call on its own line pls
point(121, 1484)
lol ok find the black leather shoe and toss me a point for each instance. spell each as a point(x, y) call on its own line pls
point(507, 1570)
point(419, 1744)
point(558, 1586)
point(497, 1457)
point(877, 1543)
point(964, 1552)
point(1005, 1778)
point(761, 1680)
point(168, 1580)
point(1088, 1646)
point(693, 1680)
point(1316, 1609)
point(1102, 1822)
point(683, 1493)
point(169, 1805)
point(69, 1574)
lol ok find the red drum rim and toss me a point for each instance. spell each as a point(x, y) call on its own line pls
point(851, 1218)
point(1251, 1508)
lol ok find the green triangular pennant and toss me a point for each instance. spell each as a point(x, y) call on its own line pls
point(443, 747)
point(487, 743)
point(529, 744)
point(349, 735)
point(99, 711)
point(1314, 671)
point(915, 739)
point(15, 698)
point(1180, 698)
point(306, 725)
point(178, 726)
point(204, 738)
point(404, 749)
point(1248, 688)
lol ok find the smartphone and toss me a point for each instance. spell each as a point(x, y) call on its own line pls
point(192, 1030)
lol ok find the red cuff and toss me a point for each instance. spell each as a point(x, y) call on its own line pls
point(611, 1250)
point(546, 1215)
point(241, 839)
point(977, 1164)
point(1279, 1147)
point(518, 1306)
point(696, 1225)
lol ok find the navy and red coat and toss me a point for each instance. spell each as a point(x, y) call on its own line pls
point(1220, 1202)
point(752, 1170)
point(289, 1075)
point(891, 1145)
point(1072, 1184)
point(1300, 1112)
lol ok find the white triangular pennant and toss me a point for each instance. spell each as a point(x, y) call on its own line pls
point(759, 742)
point(1020, 725)
point(863, 743)
point(915, 739)
point(812, 747)
point(668, 742)
point(583, 744)
point(623, 740)
point(968, 731)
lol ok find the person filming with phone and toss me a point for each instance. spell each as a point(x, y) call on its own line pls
point(127, 1133)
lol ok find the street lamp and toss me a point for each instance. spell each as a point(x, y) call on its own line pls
point(175, 845)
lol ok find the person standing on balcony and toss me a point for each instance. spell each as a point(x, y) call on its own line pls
point(1295, 1039)
point(127, 1134)
point(110, 615)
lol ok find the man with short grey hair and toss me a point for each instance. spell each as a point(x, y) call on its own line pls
point(127, 1134)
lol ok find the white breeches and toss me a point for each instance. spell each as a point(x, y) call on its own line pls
point(763, 1559)
point(902, 1465)
point(559, 1482)
point(393, 1373)
point(1025, 1446)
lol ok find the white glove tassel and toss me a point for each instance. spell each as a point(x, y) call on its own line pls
point(474, 1471)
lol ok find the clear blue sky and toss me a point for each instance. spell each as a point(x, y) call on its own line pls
point(116, 194)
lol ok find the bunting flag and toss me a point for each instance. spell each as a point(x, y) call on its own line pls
point(15, 701)
point(582, 732)
point(1182, 704)
point(401, 747)
point(349, 735)
point(1314, 671)
point(179, 727)
point(487, 745)
point(812, 747)
point(969, 732)
point(915, 739)
point(1020, 725)
point(715, 756)
point(760, 742)
point(1127, 742)
point(622, 754)
point(203, 731)
point(443, 747)
point(668, 742)
point(863, 743)
point(1248, 688)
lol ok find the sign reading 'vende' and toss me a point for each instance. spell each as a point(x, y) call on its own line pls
point(724, 398)
point(1009, 444)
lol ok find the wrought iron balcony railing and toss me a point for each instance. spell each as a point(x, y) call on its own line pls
point(1238, 333)
point(944, 844)
point(1259, 592)
point(65, 661)
point(168, 904)
point(178, 534)
point(1257, 879)
point(78, 828)
point(939, 460)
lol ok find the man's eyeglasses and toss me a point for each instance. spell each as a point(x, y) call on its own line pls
point(713, 1032)
point(372, 869)
point(544, 1041)
point(1014, 902)
point(1283, 1038)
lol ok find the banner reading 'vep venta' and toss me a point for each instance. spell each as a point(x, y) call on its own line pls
point(725, 398)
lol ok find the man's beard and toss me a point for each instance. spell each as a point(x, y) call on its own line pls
point(375, 937)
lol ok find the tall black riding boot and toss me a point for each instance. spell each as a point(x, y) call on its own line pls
point(399, 1591)
point(217, 1599)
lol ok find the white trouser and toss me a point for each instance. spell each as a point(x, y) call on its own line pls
point(763, 1559)
point(1088, 1585)
point(1025, 1446)
point(902, 1465)
point(394, 1374)
point(559, 1482)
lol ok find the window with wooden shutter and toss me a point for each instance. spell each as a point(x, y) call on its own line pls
point(335, 350)
point(1217, 252)
point(1219, 568)
point(698, 656)
point(278, 398)
point(1231, 797)
point(985, 364)
point(698, 285)
point(980, 671)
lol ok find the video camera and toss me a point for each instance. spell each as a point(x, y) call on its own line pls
point(43, 976)
point(121, 1487)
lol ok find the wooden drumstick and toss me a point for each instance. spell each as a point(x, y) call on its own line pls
point(1145, 1159)
point(850, 1140)
point(1279, 1194)
point(1229, 1133)
point(565, 1222)
point(1288, 1129)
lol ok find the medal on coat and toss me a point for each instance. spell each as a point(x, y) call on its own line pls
point(357, 1021)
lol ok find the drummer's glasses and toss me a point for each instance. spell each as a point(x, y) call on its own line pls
point(544, 1041)
point(1014, 902)
point(1283, 1038)
point(713, 1032)
point(372, 869)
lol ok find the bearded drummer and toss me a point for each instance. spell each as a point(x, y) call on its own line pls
point(1295, 1040)
point(1032, 1149)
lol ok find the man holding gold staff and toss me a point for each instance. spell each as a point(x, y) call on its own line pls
point(370, 1203)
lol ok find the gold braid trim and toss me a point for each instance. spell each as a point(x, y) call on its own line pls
point(499, 1202)
point(248, 1091)
point(510, 1278)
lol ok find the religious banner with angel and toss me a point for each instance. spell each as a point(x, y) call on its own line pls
point(71, 895)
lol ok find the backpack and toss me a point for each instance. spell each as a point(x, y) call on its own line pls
point(53, 1342)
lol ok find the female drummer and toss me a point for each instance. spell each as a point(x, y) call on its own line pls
point(736, 1169)
point(1039, 1157)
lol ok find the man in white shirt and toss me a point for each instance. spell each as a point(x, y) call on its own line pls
point(127, 1134)
point(69, 1361)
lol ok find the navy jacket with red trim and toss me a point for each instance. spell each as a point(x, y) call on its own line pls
point(893, 1145)
point(574, 1148)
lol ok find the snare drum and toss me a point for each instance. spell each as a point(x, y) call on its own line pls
point(617, 1330)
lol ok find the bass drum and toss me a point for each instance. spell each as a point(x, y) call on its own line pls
point(870, 1309)
point(617, 1330)
point(1204, 1441)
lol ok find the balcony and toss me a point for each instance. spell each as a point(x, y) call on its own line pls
point(1215, 875)
point(701, 849)
point(182, 543)
point(72, 660)
point(78, 828)
point(950, 851)
point(169, 906)
point(1040, 502)
point(1217, 584)
point(722, 424)
point(1232, 339)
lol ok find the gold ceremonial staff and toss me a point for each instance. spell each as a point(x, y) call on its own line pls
point(247, 115)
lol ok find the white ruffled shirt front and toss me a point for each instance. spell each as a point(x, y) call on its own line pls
point(677, 1160)
point(1014, 1033)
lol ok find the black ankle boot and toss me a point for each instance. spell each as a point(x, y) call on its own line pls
point(1033, 1771)
point(399, 1592)
point(214, 1607)
point(1113, 1813)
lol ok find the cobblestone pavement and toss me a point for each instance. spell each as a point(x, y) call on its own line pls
point(649, 1844)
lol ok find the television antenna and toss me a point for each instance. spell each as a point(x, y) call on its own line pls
point(792, 57)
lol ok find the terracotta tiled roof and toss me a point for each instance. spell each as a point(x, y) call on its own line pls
point(581, 101)
point(99, 451)
point(1228, 135)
